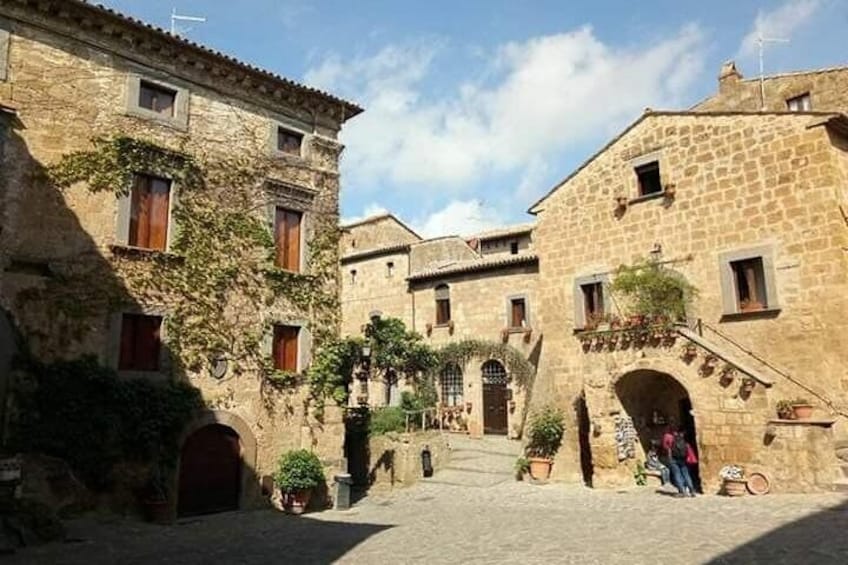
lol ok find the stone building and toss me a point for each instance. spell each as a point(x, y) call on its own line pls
point(479, 291)
point(149, 271)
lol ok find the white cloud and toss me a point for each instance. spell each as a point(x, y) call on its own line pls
point(459, 217)
point(778, 23)
point(538, 97)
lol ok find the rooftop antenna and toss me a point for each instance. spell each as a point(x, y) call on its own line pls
point(175, 30)
point(761, 41)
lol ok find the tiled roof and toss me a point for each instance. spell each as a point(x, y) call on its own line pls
point(798, 73)
point(351, 109)
point(503, 232)
point(365, 253)
point(482, 264)
point(377, 218)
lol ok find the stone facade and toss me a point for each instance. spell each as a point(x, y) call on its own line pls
point(827, 90)
point(482, 275)
point(768, 183)
point(71, 73)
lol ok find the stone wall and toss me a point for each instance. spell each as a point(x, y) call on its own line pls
point(434, 253)
point(374, 233)
point(740, 181)
point(67, 91)
point(375, 288)
point(396, 458)
point(828, 91)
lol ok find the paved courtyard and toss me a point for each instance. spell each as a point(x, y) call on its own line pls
point(497, 520)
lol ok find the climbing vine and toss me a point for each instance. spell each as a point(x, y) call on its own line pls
point(460, 353)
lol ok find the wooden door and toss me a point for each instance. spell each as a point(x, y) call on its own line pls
point(494, 408)
point(210, 471)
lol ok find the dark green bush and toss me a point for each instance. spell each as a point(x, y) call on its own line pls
point(385, 420)
point(299, 469)
point(546, 429)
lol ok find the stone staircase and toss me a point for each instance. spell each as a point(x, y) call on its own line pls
point(479, 463)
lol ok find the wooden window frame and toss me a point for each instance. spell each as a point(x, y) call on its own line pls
point(179, 116)
point(130, 348)
point(157, 89)
point(286, 256)
point(729, 262)
point(443, 305)
point(285, 348)
point(509, 313)
point(140, 231)
point(581, 316)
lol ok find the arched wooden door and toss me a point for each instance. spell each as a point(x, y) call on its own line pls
point(210, 471)
point(494, 398)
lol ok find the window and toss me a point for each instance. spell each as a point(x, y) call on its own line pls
point(451, 381)
point(353, 276)
point(289, 141)
point(156, 98)
point(443, 312)
point(649, 178)
point(390, 268)
point(140, 342)
point(593, 301)
point(750, 284)
point(149, 211)
point(800, 103)
point(284, 348)
point(518, 313)
point(494, 373)
point(513, 248)
point(287, 238)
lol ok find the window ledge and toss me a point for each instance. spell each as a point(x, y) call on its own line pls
point(825, 423)
point(143, 252)
point(766, 313)
point(519, 330)
point(445, 325)
point(647, 197)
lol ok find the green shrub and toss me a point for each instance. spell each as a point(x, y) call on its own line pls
point(385, 420)
point(299, 469)
point(546, 429)
point(522, 466)
point(652, 290)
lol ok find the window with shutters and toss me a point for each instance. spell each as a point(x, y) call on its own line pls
point(284, 348)
point(140, 343)
point(451, 385)
point(748, 282)
point(287, 238)
point(150, 202)
point(517, 313)
point(156, 98)
point(443, 309)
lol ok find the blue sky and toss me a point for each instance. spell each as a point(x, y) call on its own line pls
point(476, 108)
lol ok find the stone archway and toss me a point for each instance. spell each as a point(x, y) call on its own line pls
point(228, 439)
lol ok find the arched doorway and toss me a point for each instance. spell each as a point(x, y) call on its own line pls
point(210, 471)
point(494, 398)
point(653, 401)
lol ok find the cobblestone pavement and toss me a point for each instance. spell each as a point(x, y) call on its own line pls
point(499, 521)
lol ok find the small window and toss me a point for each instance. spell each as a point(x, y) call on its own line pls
point(443, 310)
point(750, 284)
point(149, 212)
point(156, 98)
point(593, 302)
point(353, 276)
point(800, 103)
point(649, 178)
point(518, 313)
point(494, 373)
point(390, 268)
point(287, 230)
point(451, 381)
point(284, 348)
point(140, 342)
point(513, 248)
point(288, 141)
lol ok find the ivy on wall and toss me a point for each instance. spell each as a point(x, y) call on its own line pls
point(461, 352)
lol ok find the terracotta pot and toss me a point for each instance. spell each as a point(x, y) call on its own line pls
point(296, 502)
point(157, 511)
point(540, 468)
point(735, 487)
point(802, 411)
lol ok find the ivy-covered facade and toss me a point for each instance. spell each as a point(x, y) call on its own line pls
point(172, 214)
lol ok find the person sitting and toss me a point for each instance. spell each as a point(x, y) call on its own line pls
point(652, 462)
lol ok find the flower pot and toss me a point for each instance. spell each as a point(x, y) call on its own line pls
point(735, 487)
point(295, 502)
point(802, 411)
point(540, 468)
point(157, 511)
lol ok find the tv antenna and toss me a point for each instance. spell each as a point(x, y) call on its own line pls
point(761, 41)
point(175, 29)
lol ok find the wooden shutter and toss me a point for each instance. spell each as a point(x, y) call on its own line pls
point(517, 313)
point(285, 348)
point(149, 210)
point(287, 239)
point(140, 342)
point(140, 212)
point(127, 357)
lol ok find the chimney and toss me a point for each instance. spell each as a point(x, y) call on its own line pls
point(728, 77)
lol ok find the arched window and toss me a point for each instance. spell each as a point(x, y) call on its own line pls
point(451, 381)
point(443, 312)
point(494, 373)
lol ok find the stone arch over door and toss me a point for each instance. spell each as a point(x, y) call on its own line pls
point(222, 421)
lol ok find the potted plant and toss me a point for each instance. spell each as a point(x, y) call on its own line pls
point(299, 472)
point(652, 293)
point(785, 411)
point(733, 480)
point(545, 437)
point(802, 408)
point(154, 499)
